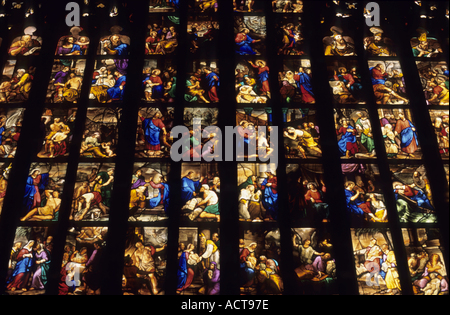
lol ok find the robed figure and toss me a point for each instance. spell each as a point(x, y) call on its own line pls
point(270, 195)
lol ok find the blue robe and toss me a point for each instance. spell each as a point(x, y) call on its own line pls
point(151, 132)
point(346, 137)
point(30, 190)
point(244, 48)
point(352, 206)
point(376, 81)
point(155, 201)
point(211, 81)
point(2, 130)
point(23, 266)
point(182, 272)
point(305, 81)
point(270, 200)
point(407, 135)
point(122, 49)
point(188, 187)
point(115, 92)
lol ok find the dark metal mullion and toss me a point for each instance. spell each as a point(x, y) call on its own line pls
point(73, 159)
point(274, 62)
point(175, 167)
point(340, 226)
point(229, 223)
point(28, 142)
point(425, 133)
point(385, 174)
point(119, 211)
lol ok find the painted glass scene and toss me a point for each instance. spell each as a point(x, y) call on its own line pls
point(345, 82)
point(115, 44)
point(440, 122)
point(425, 45)
point(259, 257)
point(203, 82)
point(27, 44)
point(301, 134)
point(5, 168)
point(10, 129)
point(100, 134)
point(145, 261)
point(287, 6)
point(57, 127)
point(153, 132)
point(399, 133)
point(258, 192)
point(375, 262)
point(252, 82)
point(200, 192)
point(377, 44)
point(149, 196)
point(109, 80)
point(199, 261)
point(204, 6)
point(163, 36)
point(43, 192)
point(92, 192)
point(315, 261)
point(363, 194)
point(290, 39)
point(253, 133)
point(388, 82)
point(250, 35)
point(17, 80)
point(203, 36)
point(434, 78)
point(66, 81)
point(414, 200)
point(31, 254)
point(426, 261)
point(307, 194)
point(81, 269)
point(73, 45)
point(338, 43)
point(159, 81)
point(156, 6)
point(354, 133)
point(295, 82)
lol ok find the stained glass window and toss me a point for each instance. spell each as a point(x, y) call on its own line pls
point(305, 151)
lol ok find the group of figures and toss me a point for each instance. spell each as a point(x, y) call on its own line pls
point(440, 121)
point(425, 261)
point(159, 85)
point(145, 261)
point(200, 196)
point(302, 140)
point(29, 261)
point(149, 195)
point(295, 84)
point(203, 86)
point(435, 83)
point(199, 263)
point(16, 82)
point(399, 134)
point(57, 130)
point(375, 262)
point(313, 254)
point(252, 84)
point(307, 193)
point(93, 192)
point(259, 258)
point(258, 197)
point(161, 40)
